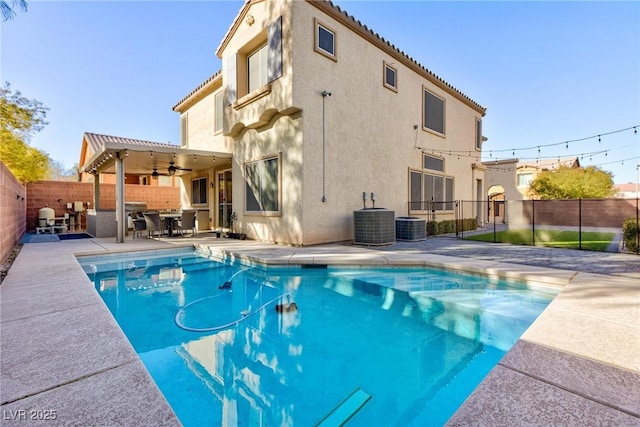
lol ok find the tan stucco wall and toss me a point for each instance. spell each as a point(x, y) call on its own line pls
point(283, 138)
point(201, 133)
point(503, 174)
point(369, 130)
point(369, 136)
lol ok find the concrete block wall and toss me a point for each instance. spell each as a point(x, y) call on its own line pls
point(592, 212)
point(13, 199)
point(56, 195)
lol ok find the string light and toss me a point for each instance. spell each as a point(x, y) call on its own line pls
point(539, 157)
point(538, 147)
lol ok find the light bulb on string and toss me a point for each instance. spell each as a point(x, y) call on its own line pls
point(599, 139)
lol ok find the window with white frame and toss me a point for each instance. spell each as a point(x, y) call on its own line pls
point(433, 112)
point(262, 185)
point(254, 65)
point(390, 77)
point(219, 112)
point(199, 191)
point(524, 179)
point(325, 40)
point(430, 189)
point(257, 68)
point(433, 163)
point(184, 136)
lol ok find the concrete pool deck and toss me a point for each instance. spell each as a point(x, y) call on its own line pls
point(63, 356)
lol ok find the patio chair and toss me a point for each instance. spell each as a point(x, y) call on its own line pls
point(154, 224)
point(139, 223)
point(187, 222)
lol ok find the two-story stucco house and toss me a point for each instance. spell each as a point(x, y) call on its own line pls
point(316, 109)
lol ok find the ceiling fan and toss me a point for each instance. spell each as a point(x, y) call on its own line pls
point(173, 168)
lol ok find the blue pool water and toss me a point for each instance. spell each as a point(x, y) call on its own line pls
point(375, 346)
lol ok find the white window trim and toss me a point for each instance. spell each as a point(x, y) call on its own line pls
point(316, 40)
point(444, 113)
point(244, 201)
point(200, 178)
point(217, 113)
point(184, 130)
point(422, 202)
point(386, 65)
point(265, 70)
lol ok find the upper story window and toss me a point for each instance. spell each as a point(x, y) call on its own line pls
point(433, 112)
point(390, 77)
point(524, 179)
point(219, 112)
point(254, 66)
point(184, 130)
point(325, 40)
point(257, 68)
point(478, 134)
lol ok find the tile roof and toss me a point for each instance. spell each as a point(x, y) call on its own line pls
point(361, 29)
point(200, 87)
point(95, 141)
point(552, 163)
point(342, 16)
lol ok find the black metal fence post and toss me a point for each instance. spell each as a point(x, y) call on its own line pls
point(533, 221)
point(580, 224)
point(637, 225)
point(494, 224)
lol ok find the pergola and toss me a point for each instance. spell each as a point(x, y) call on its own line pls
point(135, 157)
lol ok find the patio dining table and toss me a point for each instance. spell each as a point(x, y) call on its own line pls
point(171, 219)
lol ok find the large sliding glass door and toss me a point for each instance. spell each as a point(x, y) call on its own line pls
point(225, 199)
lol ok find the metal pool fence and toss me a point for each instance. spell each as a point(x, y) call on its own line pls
point(464, 217)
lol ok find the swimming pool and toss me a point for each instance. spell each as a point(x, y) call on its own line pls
point(376, 346)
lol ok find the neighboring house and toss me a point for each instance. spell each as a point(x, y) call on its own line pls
point(93, 143)
point(514, 178)
point(626, 191)
point(527, 172)
point(315, 109)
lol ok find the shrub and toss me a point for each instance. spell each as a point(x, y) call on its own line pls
point(435, 228)
point(629, 232)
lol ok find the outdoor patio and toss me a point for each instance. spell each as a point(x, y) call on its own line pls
point(578, 364)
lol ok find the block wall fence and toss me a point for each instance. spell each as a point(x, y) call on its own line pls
point(13, 199)
point(56, 195)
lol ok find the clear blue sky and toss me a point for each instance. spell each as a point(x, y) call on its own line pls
point(546, 71)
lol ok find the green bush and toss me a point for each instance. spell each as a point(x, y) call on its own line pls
point(435, 228)
point(629, 231)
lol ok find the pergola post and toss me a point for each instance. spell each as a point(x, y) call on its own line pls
point(96, 191)
point(121, 222)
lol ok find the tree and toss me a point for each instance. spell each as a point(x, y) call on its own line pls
point(573, 183)
point(58, 172)
point(8, 10)
point(20, 118)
